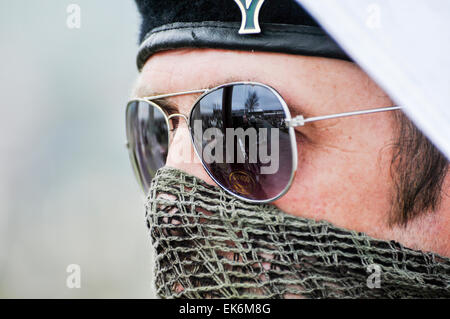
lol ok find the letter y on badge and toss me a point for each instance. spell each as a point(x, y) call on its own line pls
point(250, 15)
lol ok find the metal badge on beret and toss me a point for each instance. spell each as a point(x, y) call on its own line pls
point(250, 15)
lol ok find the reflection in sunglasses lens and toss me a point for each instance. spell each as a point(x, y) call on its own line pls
point(243, 140)
point(148, 138)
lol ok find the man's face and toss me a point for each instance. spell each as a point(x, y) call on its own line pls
point(343, 174)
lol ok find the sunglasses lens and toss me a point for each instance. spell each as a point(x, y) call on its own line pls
point(239, 132)
point(148, 140)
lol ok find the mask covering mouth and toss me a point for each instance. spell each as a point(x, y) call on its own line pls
point(209, 244)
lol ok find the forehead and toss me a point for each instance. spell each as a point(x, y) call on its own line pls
point(202, 65)
point(308, 80)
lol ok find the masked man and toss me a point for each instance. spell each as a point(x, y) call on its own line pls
point(274, 166)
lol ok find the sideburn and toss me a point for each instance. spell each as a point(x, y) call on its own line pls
point(418, 170)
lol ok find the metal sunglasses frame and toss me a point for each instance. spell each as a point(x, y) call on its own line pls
point(299, 120)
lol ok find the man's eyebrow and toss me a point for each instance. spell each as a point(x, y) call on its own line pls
point(167, 105)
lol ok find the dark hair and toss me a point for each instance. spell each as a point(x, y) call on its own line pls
point(418, 170)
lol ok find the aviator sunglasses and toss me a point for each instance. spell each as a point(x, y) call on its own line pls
point(256, 167)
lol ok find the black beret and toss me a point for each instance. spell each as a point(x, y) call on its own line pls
point(285, 27)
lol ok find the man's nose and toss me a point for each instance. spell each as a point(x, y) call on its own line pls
point(182, 155)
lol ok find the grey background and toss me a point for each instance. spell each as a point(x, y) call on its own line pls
point(67, 191)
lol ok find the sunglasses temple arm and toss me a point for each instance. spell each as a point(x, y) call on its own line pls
point(300, 120)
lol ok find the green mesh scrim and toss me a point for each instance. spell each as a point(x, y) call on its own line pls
point(209, 244)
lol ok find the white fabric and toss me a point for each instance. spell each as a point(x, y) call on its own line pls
point(405, 47)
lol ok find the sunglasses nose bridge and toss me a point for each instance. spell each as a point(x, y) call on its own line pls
point(171, 116)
